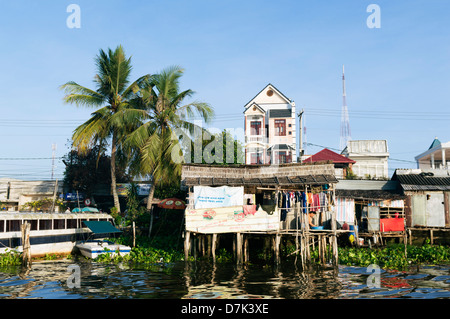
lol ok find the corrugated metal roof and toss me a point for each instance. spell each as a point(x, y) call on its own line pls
point(267, 181)
point(362, 184)
point(368, 194)
point(423, 182)
point(425, 187)
point(367, 146)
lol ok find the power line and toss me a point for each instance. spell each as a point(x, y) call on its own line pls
point(28, 158)
point(332, 148)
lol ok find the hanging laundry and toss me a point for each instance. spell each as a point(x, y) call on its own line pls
point(316, 202)
point(285, 205)
point(310, 198)
point(304, 202)
point(322, 200)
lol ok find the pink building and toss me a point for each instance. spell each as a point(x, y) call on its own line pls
point(270, 132)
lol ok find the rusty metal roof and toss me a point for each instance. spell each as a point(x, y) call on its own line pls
point(266, 181)
point(423, 182)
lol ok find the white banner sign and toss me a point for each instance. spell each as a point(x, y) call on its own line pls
point(230, 219)
point(213, 197)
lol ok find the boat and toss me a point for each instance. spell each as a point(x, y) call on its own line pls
point(92, 248)
point(50, 233)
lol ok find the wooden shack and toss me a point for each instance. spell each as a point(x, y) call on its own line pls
point(271, 200)
point(427, 201)
point(377, 208)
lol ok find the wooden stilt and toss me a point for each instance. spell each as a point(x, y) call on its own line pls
point(277, 247)
point(209, 240)
point(335, 251)
point(246, 250)
point(26, 254)
point(202, 245)
point(213, 246)
point(187, 242)
point(195, 245)
point(239, 245)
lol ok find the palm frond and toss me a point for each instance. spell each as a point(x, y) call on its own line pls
point(81, 96)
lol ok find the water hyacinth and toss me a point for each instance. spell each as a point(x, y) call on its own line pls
point(393, 256)
point(10, 258)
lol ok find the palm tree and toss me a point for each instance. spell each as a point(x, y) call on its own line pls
point(157, 138)
point(115, 115)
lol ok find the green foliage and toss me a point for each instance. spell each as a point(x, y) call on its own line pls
point(350, 174)
point(143, 255)
point(44, 204)
point(170, 191)
point(214, 150)
point(10, 258)
point(133, 209)
point(87, 171)
point(115, 116)
point(393, 257)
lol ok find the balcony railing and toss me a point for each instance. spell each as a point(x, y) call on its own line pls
point(254, 139)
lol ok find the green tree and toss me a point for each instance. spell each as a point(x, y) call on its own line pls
point(87, 171)
point(158, 138)
point(115, 115)
point(220, 149)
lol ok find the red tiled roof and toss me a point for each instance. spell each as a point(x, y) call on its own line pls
point(327, 155)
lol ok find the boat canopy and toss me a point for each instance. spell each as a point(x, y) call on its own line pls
point(101, 227)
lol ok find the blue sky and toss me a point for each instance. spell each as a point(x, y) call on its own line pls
point(397, 76)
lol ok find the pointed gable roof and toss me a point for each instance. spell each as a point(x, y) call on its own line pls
point(256, 106)
point(276, 93)
point(435, 143)
point(327, 155)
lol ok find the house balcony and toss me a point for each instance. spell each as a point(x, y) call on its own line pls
point(254, 139)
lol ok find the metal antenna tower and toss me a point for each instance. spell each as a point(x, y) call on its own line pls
point(345, 124)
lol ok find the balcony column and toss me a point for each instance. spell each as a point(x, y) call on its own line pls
point(444, 162)
point(432, 161)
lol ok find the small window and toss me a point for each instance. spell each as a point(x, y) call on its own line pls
point(12, 225)
point(290, 133)
point(33, 223)
point(72, 223)
point(45, 224)
point(255, 128)
point(280, 127)
point(59, 224)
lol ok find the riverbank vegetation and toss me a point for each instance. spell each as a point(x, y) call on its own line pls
point(393, 256)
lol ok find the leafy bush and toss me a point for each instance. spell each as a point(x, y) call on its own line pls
point(393, 257)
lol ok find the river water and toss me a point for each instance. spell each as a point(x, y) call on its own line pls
point(204, 280)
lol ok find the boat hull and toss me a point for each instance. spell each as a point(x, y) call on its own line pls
point(51, 233)
point(96, 248)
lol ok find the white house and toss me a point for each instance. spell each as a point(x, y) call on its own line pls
point(436, 157)
point(371, 158)
point(15, 193)
point(270, 131)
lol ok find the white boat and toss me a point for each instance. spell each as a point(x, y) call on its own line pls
point(51, 233)
point(93, 248)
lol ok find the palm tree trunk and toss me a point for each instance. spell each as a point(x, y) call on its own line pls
point(150, 206)
point(113, 173)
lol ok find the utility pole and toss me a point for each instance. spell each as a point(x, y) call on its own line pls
point(300, 147)
point(53, 159)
